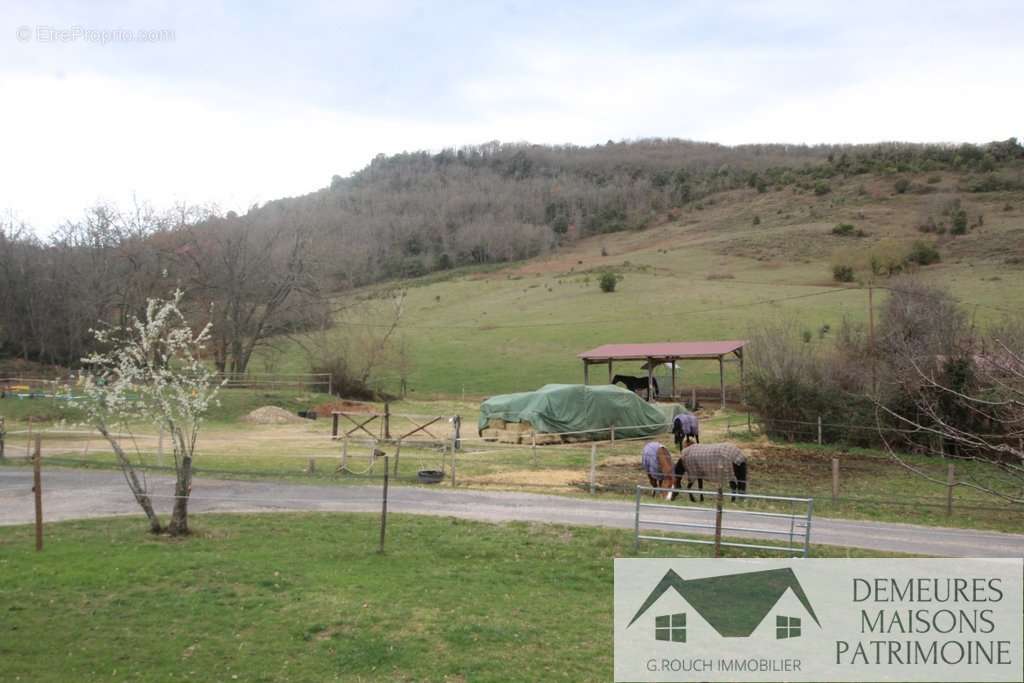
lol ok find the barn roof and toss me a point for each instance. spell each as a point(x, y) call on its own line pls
point(663, 350)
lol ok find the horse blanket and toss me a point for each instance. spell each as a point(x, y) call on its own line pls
point(650, 460)
point(684, 425)
point(713, 461)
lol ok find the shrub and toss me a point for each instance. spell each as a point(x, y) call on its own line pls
point(757, 220)
point(923, 254)
point(608, 281)
point(932, 179)
point(959, 222)
point(842, 273)
point(901, 185)
point(821, 187)
point(806, 336)
point(844, 230)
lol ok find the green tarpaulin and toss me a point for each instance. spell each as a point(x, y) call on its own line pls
point(560, 408)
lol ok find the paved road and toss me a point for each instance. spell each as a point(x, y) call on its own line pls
point(76, 494)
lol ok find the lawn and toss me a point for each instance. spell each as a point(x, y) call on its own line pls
point(306, 597)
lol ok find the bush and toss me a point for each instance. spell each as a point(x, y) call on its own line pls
point(846, 230)
point(959, 222)
point(757, 220)
point(608, 281)
point(901, 186)
point(821, 187)
point(923, 254)
point(842, 273)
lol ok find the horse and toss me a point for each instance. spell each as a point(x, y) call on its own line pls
point(685, 427)
point(635, 384)
point(657, 463)
point(713, 462)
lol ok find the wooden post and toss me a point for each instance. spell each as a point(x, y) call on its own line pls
point(398, 452)
point(586, 373)
point(457, 441)
point(37, 489)
point(835, 480)
point(673, 363)
point(334, 425)
point(718, 523)
point(743, 383)
point(610, 371)
point(384, 507)
point(453, 466)
point(721, 380)
point(533, 447)
point(3, 431)
point(950, 483)
point(750, 429)
point(593, 467)
point(387, 422)
point(693, 398)
point(613, 433)
point(312, 466)
point(650, 380)
point(871, 338)
point(344, 454)
point(819, 430)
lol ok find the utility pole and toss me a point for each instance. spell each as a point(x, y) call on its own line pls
point(871, 339)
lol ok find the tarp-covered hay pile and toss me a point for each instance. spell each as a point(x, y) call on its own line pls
point(560, 413)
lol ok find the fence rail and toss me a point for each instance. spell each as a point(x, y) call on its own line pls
point(794, 527)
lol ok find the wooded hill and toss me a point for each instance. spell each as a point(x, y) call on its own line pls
point(269, 271)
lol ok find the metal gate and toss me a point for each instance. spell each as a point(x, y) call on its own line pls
point(793, 527)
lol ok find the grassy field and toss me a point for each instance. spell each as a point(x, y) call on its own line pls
point(307, 598)
point(711, 274)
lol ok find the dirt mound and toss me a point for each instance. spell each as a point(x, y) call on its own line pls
point(272, 415)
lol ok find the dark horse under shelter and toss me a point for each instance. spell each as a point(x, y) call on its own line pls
point(637, 384)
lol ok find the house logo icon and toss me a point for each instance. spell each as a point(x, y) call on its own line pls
point(734, 605)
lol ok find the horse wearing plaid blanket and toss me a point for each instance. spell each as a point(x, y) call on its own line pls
point(716, 462)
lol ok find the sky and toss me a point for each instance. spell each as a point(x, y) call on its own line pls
point(236, 103)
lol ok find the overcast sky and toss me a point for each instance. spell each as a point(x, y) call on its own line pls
point(248, 101)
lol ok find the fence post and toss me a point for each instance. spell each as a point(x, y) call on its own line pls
point(718, 522)
point(533, 447)
point(398, 451)
point(593, 466)
point(312, 466)
point(453, 465)
point(750, 430)
point(693, 398)
point(636, 522)
point(384, 507)
point(613, 433)
point(819, 430)
point(387, 420)
point(37, 489)
point(950, 483)
point(344, 455)
point(835, 480)
point(458, 432)
point(3, 431)
point(334, 425)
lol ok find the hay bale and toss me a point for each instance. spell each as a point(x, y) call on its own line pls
point(272, 415)
point(496, 423)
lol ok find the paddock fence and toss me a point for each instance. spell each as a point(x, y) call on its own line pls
point(792, 527)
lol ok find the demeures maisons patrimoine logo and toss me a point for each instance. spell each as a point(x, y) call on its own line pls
point(734, 605)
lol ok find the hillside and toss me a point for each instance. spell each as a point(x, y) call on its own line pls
point(500, 245)
point(710, 272)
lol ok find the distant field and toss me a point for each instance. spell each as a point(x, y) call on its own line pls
point(700, 277)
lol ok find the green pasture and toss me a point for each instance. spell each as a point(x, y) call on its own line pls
point(306, 597)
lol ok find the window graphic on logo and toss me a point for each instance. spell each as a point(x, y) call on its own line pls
point(787, 627)
point(671, 627)
point(734, 605)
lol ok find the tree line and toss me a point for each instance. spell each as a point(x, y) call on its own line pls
point(271, 270)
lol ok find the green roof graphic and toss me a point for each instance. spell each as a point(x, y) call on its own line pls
point(734, 604)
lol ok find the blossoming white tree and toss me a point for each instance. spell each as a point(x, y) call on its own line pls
point(151, 371)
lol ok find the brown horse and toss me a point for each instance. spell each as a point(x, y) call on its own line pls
point(661, 471)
